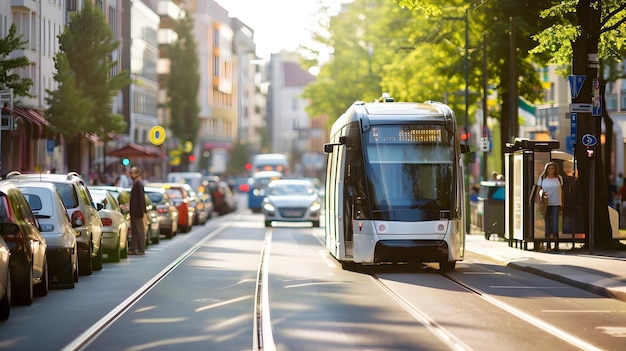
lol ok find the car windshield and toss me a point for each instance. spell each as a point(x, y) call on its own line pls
point(70, 200)
point(155, 197)
point(291, 189)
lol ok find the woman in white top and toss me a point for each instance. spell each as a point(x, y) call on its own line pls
point(552, 183)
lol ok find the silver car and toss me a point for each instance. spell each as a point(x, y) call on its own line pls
point(82, 212)
point(56, 227)
point(291, 200)
point(114, 225)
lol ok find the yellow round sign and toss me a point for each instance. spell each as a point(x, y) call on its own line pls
point(188, 146)
point(157, 135)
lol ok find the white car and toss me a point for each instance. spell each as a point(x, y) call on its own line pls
point(114, 225)
point(56, 227)
point(291, 200)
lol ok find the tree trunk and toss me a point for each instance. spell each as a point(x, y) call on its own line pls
point(590, 169)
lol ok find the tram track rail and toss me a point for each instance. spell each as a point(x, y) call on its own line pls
point(263, 338)
point(456, 344)
point(83, 340)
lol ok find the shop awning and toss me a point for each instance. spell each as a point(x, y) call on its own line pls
point(132, 150)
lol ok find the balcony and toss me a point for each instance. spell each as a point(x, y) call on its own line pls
point(169, 12)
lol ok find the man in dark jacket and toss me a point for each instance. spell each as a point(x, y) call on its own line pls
point(137, 212)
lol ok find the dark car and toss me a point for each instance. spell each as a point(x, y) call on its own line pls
point(5, 280)
point(182, 199)
point(204, 207)
point(224, 199)
point(20, 230)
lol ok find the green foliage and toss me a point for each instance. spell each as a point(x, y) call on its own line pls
point(82, 102)
point(557, 39)
point(8, 78)
point(184, 83)
point(415, 50)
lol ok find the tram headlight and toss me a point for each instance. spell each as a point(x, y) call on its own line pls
point(269, 207)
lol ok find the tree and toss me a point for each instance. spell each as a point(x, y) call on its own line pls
point(590, 35)
point(9, 79)
point(82, 102)
point(183, 84)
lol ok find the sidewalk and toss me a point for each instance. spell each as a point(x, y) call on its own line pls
point(603, 273)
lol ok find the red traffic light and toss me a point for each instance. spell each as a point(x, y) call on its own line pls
point(192, 158)
point(465, 136)
point(248, 166)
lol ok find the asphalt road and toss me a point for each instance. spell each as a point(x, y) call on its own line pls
point(197, 292)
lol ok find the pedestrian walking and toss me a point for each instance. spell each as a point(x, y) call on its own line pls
point(137, 214)
point(123, 180)
point(552, 183)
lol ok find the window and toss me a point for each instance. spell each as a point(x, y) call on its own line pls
point(71, 5)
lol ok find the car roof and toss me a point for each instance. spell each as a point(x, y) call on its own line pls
point(51, 177)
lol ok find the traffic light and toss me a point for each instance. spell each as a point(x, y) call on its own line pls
point(465, 136)
point(192, 158)
point(125, 161)
point(248, 166)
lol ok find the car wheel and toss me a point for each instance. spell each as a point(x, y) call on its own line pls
point(5, 303)
point(41, 289)
point(23, 286)
point(447, 266)
point(316, 224)
point(84, 262)
point(156, 237)
point(124, 253)
point(97, 260)
point(114, 255)
point(169, 234)
point(268, 223)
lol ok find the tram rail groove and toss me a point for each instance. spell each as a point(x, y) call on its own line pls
point(263, 338)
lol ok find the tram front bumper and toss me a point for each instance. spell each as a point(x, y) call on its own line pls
point(411, 251)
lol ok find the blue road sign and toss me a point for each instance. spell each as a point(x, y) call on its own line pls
point(575, 84)
point(597, 107)
point(589, 140)
point(50, 144)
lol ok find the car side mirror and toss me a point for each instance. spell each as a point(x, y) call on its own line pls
point(99, 206)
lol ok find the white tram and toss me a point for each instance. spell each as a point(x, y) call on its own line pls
point(395, 185)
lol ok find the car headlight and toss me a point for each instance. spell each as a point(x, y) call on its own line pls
point(315, 206)
point(269, 207)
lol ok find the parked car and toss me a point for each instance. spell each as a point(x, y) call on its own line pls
point(258, 182)
point(5, 280)
point(168, 214)
point(114, 225)
point(62, 251)
point(20, 230)
point(182, 199)
point(203, 207)
point(122, 195)
point(292, 200)
point(224, 199)
point(82, 212)
point(152, 226)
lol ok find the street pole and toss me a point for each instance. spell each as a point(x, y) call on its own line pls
point(485, 129)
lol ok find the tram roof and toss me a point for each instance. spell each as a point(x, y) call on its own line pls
point(404, 108)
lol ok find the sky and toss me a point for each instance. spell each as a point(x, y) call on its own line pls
point(279, 24)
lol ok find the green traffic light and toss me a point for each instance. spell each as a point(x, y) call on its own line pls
point(125, 161)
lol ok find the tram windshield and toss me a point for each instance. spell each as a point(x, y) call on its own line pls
point(410, 171)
